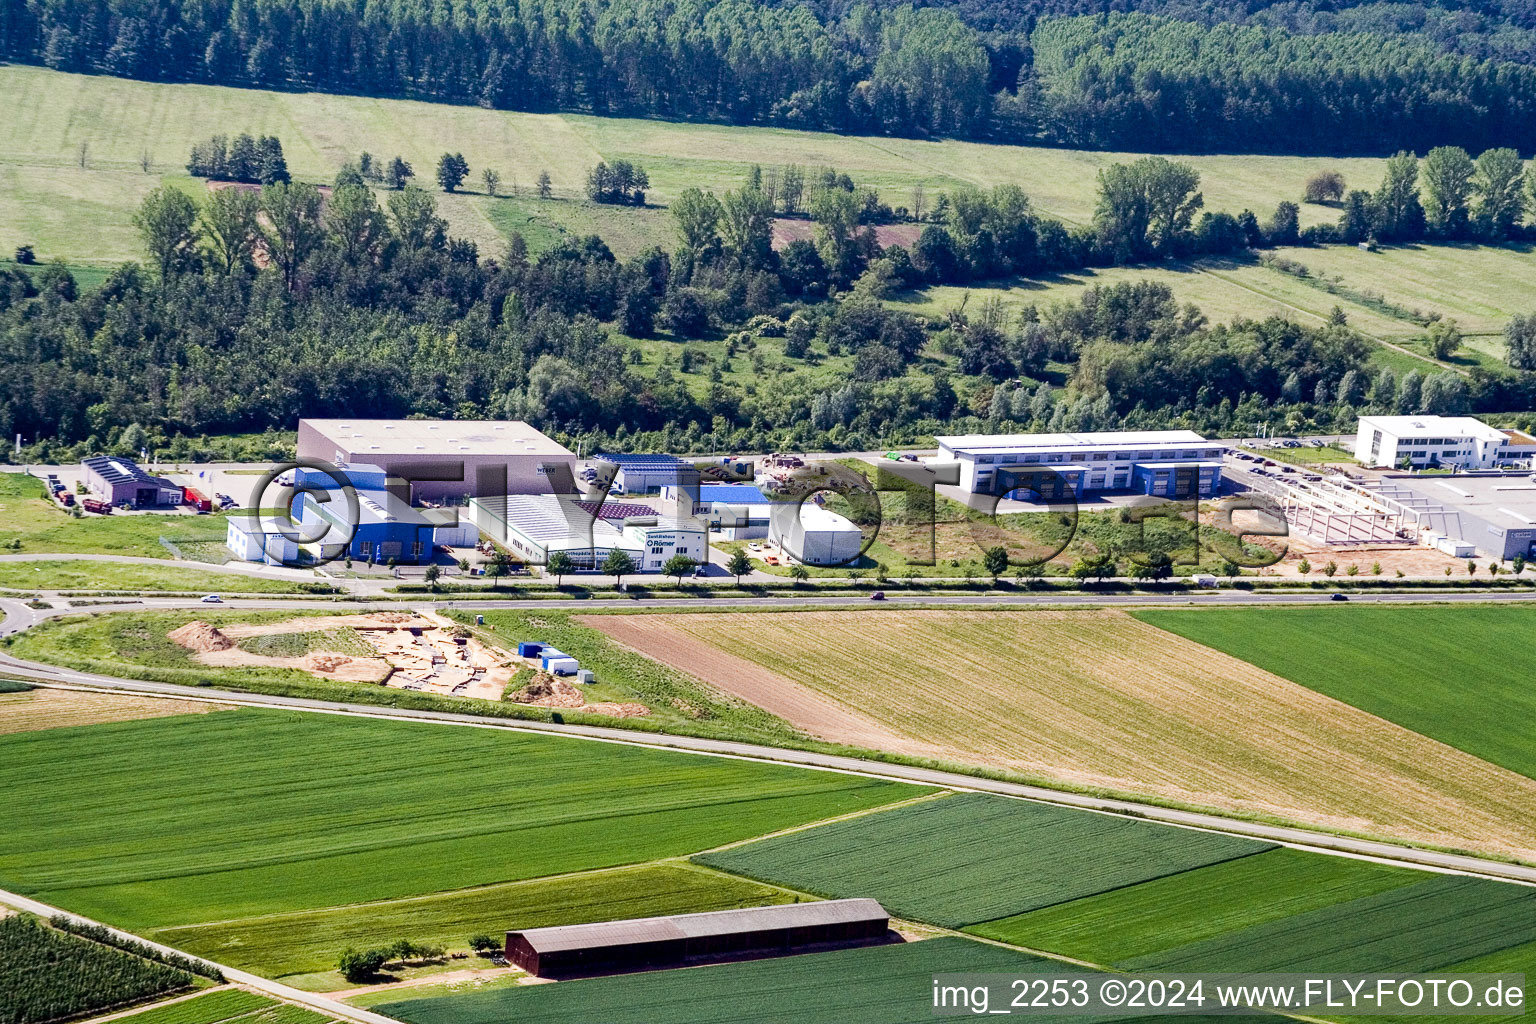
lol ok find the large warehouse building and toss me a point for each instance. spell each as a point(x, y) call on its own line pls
point(1462, 442)
point(1164, 463)
point(1493, 514)
point(120, 481)
point(387, 528)
point(651, 942)
point(534, 526)
point(446, 459)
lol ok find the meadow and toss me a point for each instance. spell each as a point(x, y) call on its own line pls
point(306, 942)
point(245, 813)
point(218, 1007)
point(1437, 671)
point(1101, 700)
point(38, 525)
point(82, 214)
point(76, 574)
point(971, 857)
point(1140, 920)
point(872, 985)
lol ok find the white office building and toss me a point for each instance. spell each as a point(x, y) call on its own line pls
point(1459, 442)
point(1166, 463)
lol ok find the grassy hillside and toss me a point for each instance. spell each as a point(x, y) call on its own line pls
point(47, 199)
point(1450, 673)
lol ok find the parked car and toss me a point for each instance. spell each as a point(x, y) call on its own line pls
point(212, 599)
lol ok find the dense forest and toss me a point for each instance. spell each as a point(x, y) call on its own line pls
point(257, 306)
point(1174, 76)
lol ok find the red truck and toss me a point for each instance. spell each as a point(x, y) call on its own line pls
point(99, 507)
point(195, 498)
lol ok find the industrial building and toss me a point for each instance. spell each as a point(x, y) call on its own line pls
point(1491, 515)
point(534, 526)
point(255, 539)
point(735, 511)
point(388, 529)
point(1460, 442)
point(445, 460)
point(654, 942)
point(1163, 463)
point(808, 533)
point(119, 481)
point(646, 474)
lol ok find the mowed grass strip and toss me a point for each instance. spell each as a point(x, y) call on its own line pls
point(208, 1008)
point(84, 574)
point(1445, 672)
point(871, 985)
point(1138, 920)
point(970, 858)
point(235, 814)
point(310, 942)
point(1438, 921)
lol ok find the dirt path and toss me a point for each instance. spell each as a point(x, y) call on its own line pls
point(799, 706)
point(468, 974)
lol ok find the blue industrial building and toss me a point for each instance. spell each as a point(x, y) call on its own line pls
point(1162, 463)
point(387, 529)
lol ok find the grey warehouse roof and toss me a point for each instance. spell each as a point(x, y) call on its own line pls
point(120, 471)
point(686, 926)
point(1125, 438)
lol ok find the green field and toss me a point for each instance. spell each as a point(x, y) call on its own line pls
point(244, 813)
point(296, 645)
point(1139, 920)
point(308, 941)
point(970, 858)
point(83, 213)
point(873, 985)
point(67, 574)
point(1439, 920)
point(226, 1004)
point(1436, 671)
point(28, 516)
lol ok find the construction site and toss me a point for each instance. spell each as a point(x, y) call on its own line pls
point(419, 650)
point(1455, 516)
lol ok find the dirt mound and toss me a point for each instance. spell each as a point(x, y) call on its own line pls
point(547, 691)
point(199, 636)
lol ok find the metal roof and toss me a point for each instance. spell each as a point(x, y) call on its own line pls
point(561, 938)
point(120, 471)
point(1032, 442)
point(374, 439)
point(733, 494)
point(552, 519)
point(641, 460)
point(1426, 425)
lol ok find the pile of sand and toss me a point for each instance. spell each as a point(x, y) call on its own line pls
point(547, 691)
point(199, 636)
